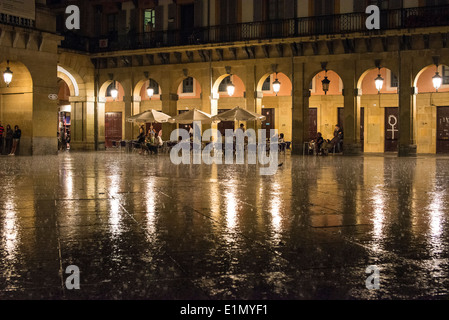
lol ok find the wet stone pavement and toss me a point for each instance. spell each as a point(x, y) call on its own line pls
point(139, 227)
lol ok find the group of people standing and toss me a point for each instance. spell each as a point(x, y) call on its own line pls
point(9, 139)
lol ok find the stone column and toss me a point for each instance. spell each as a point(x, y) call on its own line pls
point(351, 127)
point(44, 123)
point(170, 107)
point(128, 112)
point(300, 108)
point(100, 123)
point(407, 145)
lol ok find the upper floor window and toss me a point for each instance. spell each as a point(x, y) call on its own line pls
point(394, 83)
point(187, 85)
point(154, 85)
point(267, 84)
point(324, 7)
point(108, 90)
point(445, 74)
point(223, 87)
point(112, 22)
point(274, 9)
point(149, 20)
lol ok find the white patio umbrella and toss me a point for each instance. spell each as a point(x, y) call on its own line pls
point(192, 116)
point(239, 114)
point(150, 116)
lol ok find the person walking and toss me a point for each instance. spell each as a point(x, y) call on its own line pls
point(8, 139)
point(15, 140)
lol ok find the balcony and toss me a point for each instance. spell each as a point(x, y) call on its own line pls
point(310, 26)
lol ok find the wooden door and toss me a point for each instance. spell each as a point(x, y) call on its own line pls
point(313, 123)
point(113, 128)
point(443, 130)
point(391, 129)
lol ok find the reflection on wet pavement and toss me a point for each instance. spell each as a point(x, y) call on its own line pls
point(142, 228)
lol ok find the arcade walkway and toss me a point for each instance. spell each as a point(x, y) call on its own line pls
point(142, 228)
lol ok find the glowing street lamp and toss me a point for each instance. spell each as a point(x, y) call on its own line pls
point(326, 83)
point(379, 81)
point(437, 81)
point(150, 92)
point(230, 88)
point(276, 86)
point(7, 75)
point(114, 92)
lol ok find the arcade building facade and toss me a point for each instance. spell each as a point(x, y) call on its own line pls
point(387, 88)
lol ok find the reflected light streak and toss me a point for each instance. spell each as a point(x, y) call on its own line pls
point(10, 230)
point(231, 212)
point(275, 205)
point(114, 217)
point(150, 203)
point(436, 209)
point(379, 215)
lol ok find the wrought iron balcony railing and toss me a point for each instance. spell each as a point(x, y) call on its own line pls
point(310, 26)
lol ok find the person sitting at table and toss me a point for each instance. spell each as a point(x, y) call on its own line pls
point(141, 136)
point(281, 142)
point(319, 143)
point(151, 142)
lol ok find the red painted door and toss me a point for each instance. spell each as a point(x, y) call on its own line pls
point(113, 127)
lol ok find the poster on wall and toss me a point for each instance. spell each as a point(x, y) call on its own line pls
point(18, 8)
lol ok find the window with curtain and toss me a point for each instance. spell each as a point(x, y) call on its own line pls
point(149, 20)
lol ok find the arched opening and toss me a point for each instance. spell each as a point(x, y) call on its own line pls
point(326, 106)
point(64, 116)
point(224, 101)
point(432, 110)
point(147, 95)
point(114, 125)
point(379, 112)
point(16, 106)
point(276, 103)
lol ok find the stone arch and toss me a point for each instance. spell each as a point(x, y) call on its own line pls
point(385, 72)
point(143, 83)
point(74, 81)
point(17, 107)
point(217, 82)
point(103, 88)
point(283, 78)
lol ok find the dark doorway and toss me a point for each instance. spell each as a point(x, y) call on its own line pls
point(362, 128)
point(391, 129)
point(268, 123)
point(223, 125)
point(187, 23)
point(313, 123)
point(443, 130)
point(112, 128)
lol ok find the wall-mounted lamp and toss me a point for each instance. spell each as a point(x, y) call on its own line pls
point(7, 75)
point(325, 82)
